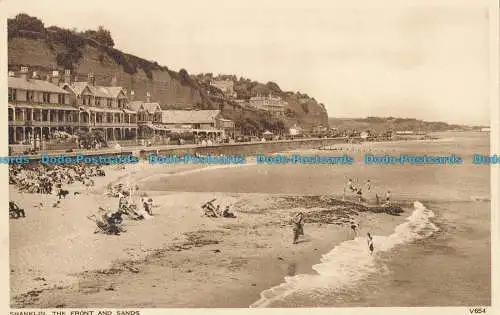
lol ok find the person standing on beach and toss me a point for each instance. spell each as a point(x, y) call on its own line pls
point(360, 195)
point(388, 196)
point(368, 185)
point(349, 186)
point(354, 228)
point(370, 243)
point(298, 226)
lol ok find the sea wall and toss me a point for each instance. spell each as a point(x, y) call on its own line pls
point(246, 149)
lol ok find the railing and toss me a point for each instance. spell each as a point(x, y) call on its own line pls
point(70, 107)
point(29, 123)
point(123, 143)
point(115, 124)
point(16, 123)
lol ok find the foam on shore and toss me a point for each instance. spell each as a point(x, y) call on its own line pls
point(350, 262)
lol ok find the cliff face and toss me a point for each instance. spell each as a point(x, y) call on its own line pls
point(306, 112)
point(45, 52)
point(163, 88)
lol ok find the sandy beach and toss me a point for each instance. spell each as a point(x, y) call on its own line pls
point(180, 258)
point(58, 261)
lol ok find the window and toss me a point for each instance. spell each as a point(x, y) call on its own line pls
point(46, 97)
point(12, 95)
point(61, 98)
point(30, 96)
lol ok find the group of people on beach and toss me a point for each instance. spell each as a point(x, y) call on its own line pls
point(298, 230)
point(215, 211)
point(49, 179)
point(127, 206)
point(357, 190)
point(110, 222)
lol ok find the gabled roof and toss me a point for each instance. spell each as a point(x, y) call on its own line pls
point(108, 91)
point(77, 87)
point(97, 91)
point(34, 85)
point(188, 116)
point(149, 107)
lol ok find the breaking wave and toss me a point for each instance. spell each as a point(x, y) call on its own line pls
point(350, 262)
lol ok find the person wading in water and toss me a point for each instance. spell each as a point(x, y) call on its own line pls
point(370, 243)
point(298, 226)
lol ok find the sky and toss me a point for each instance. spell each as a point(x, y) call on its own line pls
point(377, 58)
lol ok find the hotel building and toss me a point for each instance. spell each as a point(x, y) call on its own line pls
point(103, 108)
point(37, 108)
point(274, 105)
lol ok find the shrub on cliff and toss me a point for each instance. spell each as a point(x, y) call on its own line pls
point(186, 79)
point(102, 36)
point(23, 24)
point(273, 87)
point(73, 43)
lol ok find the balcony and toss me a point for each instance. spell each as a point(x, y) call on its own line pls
point(16, 122)
point(43, 104)
point(114, 124)
point(37, 123)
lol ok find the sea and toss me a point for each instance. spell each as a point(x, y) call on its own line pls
point(439, 256)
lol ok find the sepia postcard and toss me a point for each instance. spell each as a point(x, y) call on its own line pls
point(333, 157)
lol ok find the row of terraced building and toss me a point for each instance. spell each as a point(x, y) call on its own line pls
point(39, 107)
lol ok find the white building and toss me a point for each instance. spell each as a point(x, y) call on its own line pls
point(275, 105)
point(295, 130)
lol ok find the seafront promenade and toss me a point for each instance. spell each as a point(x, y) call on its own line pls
point(246, 148)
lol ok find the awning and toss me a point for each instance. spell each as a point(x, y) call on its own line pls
point(21, 105)
point(103, 110)
point(182, 130)
point(156, 127)
point(62, 107)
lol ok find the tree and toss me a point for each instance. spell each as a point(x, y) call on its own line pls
point(102, 36)
point(88, 137)
point(185, 78)
point(273, 87)
point(23, 21)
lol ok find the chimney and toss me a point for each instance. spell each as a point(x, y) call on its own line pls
point(55, 77)
point(114, 81)
point(24, 73)
point(132, 94)
point(148, 97)
point(67, 76)
point(91, 79)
